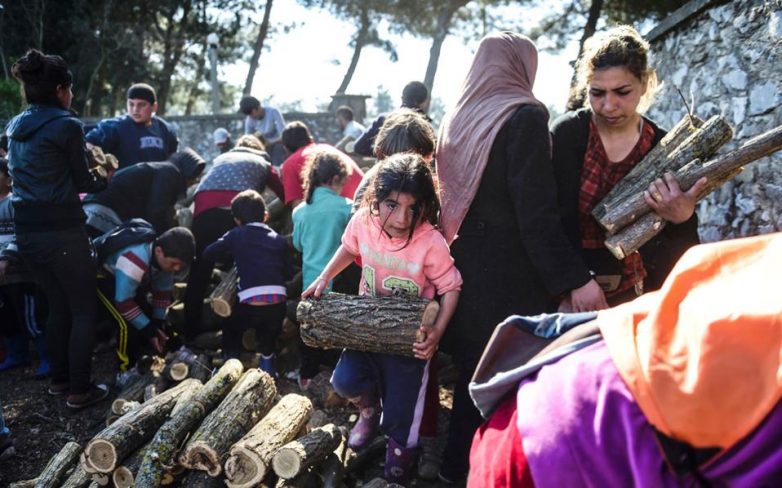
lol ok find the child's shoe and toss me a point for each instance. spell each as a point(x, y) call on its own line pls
point(367, 423)
point(95, 394)
point(17, 353)
point(430, 458)
point(399, 462)
point(269, 364)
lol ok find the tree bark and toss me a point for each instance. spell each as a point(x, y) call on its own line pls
point(387, 325)
point(442, 29)
point(575, 100)
point(718, 171)
point(258, 49)
point(110, 446)
point(211, 341)
point(700, 145)
point(24, 483)
point(57, 468)
point(200, 479)
point(224, 295)
point(78, 478)
point(125, 474)
point(176, 370)
point(161, 453)
point(248, 402)
point(132, 392)
point(297, 456)
point(361, 41)
point(249, 458)
point(332, 470)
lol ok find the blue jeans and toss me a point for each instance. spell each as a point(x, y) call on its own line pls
point(399, 381)
point(3, 429)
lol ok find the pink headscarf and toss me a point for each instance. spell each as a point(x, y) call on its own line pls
point(499, 81)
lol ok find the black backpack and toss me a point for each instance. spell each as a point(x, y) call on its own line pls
point(133, 231)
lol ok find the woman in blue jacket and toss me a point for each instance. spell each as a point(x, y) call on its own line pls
point(48, 164)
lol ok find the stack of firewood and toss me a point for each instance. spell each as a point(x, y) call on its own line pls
point(231, 428)
point(684, 152)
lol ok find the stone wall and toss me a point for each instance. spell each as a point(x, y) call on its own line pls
point(728, 56)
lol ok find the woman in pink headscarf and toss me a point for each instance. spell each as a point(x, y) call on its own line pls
point(499, 208)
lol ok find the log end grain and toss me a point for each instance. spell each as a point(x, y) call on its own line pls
point(201, 457)
point(244, 468)
point(101, 456)
point(122, 477)
point(286, 463)
point(221, 307)
point(178, 371)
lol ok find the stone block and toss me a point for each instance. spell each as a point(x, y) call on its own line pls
point(775, 25)
point(735, 79)
point(763, 97)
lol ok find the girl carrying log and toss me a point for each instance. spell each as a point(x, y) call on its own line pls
point(401, 253)
point(596, 146)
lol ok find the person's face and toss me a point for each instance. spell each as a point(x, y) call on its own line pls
point(167, 264)
point(258, 113)
point(65, 95)
point(397, 214)
point(141, 110)
point(341, 121)
point(614, 94)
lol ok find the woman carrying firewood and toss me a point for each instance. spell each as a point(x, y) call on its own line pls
point(596, 146)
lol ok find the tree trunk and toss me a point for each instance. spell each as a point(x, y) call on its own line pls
point(247, 403)
point(160, 455)
point(700, 145)
point(258, 49)
point(296, 457)
point(57, 468)
point(718, 171)
point(224, 295)
point(78, 478)
point(575, 100)
point(249, 461)
point(174, 44)
point(387, 325)
point(441, 32)
point(361, 40)
point(110, 446)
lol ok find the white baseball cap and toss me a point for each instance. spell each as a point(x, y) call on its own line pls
point(221, 136)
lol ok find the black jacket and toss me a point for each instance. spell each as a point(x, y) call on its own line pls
point(147, 191)
point(48, 164)
point(570, 134)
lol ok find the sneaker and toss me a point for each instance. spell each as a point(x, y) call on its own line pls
point(95, 394)
point(58, 389)
point(269, 364)
point(366, 425)
point(430, 458)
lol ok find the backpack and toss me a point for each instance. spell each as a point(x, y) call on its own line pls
point(128, 233)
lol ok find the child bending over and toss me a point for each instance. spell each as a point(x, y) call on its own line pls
point(401, 253)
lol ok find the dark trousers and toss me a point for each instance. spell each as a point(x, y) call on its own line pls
point(265, 319)
point(130, 343)
point(207, 228)
point(64, 265)
point(22, 310)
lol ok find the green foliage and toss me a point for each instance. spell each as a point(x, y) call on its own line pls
point(10, 98)
point(383, 101)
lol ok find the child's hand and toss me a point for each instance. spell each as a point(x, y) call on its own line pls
point(316, 288)
point(428, 347)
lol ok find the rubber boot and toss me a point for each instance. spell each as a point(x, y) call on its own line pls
point(43, 369)
point(368, 421)
point(16, 352)
point(399, 462)
point(269, 364)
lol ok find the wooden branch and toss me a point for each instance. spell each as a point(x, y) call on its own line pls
point(224, 295)
point(176, 370)
point(297, 456)
point(718, 171)
point(56, 469)
point(133, 391)
point(78, 478)
point(332, 470)
point(212, 340)
point(24, 483)
point(185, 416)
point(387, 325)
point(125, 474)
point(201, 479)
point(241, 409)
point(249, 458)
point(110, 446)
point(700, 145)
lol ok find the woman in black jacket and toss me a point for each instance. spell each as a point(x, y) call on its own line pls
point(596, 146)
point(48, 164)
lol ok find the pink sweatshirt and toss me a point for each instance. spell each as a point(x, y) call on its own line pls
point(421, 268)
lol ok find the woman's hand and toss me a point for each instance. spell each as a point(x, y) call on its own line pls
point(316, 288)
point(587, 298)
point(667, 199)
point(427, 348)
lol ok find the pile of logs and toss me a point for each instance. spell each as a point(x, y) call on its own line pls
point(230, 428)
point(685, 151)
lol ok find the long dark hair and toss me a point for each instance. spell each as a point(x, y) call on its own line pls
point(406, 173)
point(320, 168)
point(40, 74)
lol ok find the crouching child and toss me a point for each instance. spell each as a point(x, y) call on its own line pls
point(261, 257)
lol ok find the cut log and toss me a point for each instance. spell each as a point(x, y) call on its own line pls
point(212, 340)
point(322, 393)
point(176, 371)
point(133, 391)
point(159, 384)
point(240, 410)
point(307, 479)
point(200, 479)
point(100, 479)
point(700, 145)
point(78, 477)
point(114, 443)
point(185, 416)
point(673, 139)
point(125, 474)
point(56, 471)
point(24, 483)
point(178, 293)
point(388, 325)
point(332, 470)
point(362, 458)
point(717, 170)
point(250, 457)
point(297, 456)
point(224, 295)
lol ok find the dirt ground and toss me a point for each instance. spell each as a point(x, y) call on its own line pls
point(41, 424)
